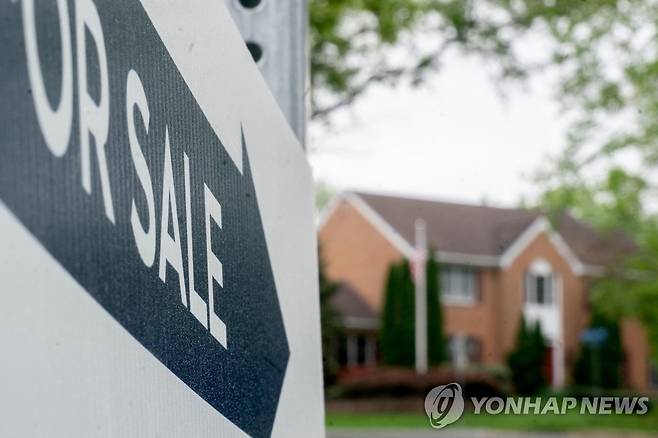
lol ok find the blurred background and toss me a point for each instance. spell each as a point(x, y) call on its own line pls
point(499, 159)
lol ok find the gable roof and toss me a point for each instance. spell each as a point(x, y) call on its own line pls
point(451, 227)
point(592, 247)
point(488, 236)
point(356, 313)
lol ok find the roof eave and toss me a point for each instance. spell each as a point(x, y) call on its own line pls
point(503, 261)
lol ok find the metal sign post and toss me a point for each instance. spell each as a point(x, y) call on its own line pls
point(275, 32)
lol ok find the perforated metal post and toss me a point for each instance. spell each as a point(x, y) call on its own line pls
point(275, 32)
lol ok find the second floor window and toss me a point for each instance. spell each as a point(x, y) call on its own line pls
point(459, 284)
point(539, 288)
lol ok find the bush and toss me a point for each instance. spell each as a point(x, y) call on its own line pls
point(330, 325)
point(601, 366)
point(436, 351)
point(403, 382)
point(397, 330)
point(397, 334)
point(526, 362)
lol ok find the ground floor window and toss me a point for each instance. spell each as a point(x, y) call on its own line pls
point(464, 350)
point(357, 350)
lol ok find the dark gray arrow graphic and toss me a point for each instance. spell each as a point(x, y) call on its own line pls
point(242, 381)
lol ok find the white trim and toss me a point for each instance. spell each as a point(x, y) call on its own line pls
point(575, 264)
point(541, 267)
point(538, 226)
point(329, 210)
point(360, 323)
point(452, 300)
point(352, 348)
point(371, 351)
point(375, 219)
point(457, 258)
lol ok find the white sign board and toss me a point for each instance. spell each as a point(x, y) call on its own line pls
point(158, 268)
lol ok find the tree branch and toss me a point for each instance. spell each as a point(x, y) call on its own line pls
point(378, 77)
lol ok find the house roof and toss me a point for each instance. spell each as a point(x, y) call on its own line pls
point(355, 312)
point(347, 301)
point(480, 230)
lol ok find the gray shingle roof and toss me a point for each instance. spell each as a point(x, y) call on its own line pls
point(485, 230)
point(348, 302)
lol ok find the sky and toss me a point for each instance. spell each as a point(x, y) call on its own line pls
point(454, 139)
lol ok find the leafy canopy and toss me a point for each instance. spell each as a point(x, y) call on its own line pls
point(357, 43)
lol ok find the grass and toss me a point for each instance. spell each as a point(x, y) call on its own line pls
point(568, 422)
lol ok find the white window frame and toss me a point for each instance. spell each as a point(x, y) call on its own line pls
point(459, 285)
point(540, 269)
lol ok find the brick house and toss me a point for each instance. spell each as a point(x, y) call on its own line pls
point(497, 264)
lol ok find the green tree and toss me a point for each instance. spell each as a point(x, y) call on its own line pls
point(324, 192)
point(601, 365)
point(526, 362)
point(435, 339)
point(353, 42)
point(397, 327)
point(615, 204)
point(330, 324)
point(606, 57)
point(357, 43)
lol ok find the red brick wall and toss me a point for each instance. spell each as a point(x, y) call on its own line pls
point(354, 251)
point(478, 320)
point(576, 314)
point(636, 350)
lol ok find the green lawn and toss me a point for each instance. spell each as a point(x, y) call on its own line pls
point(570, 421)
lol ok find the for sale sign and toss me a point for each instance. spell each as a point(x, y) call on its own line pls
point(156, 218)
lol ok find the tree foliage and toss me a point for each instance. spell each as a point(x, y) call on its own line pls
point(330, 325)
point(631, 289)
point(397, 346)
point(527, 360)
point(436, 345)
point(603, 50)
point(617, 204)
point(397, 333)
point(357, 43)
point(324, 193)
point(607, 60)
point(601, 365)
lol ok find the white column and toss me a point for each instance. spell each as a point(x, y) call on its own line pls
point(371, 358)
point(460, 361)
point(558, 342)
point(352, 351)
point(421, 297)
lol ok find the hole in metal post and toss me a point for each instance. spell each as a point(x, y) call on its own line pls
point(250, 4)
point(256, 50)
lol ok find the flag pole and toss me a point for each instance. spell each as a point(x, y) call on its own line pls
point(420, 264)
